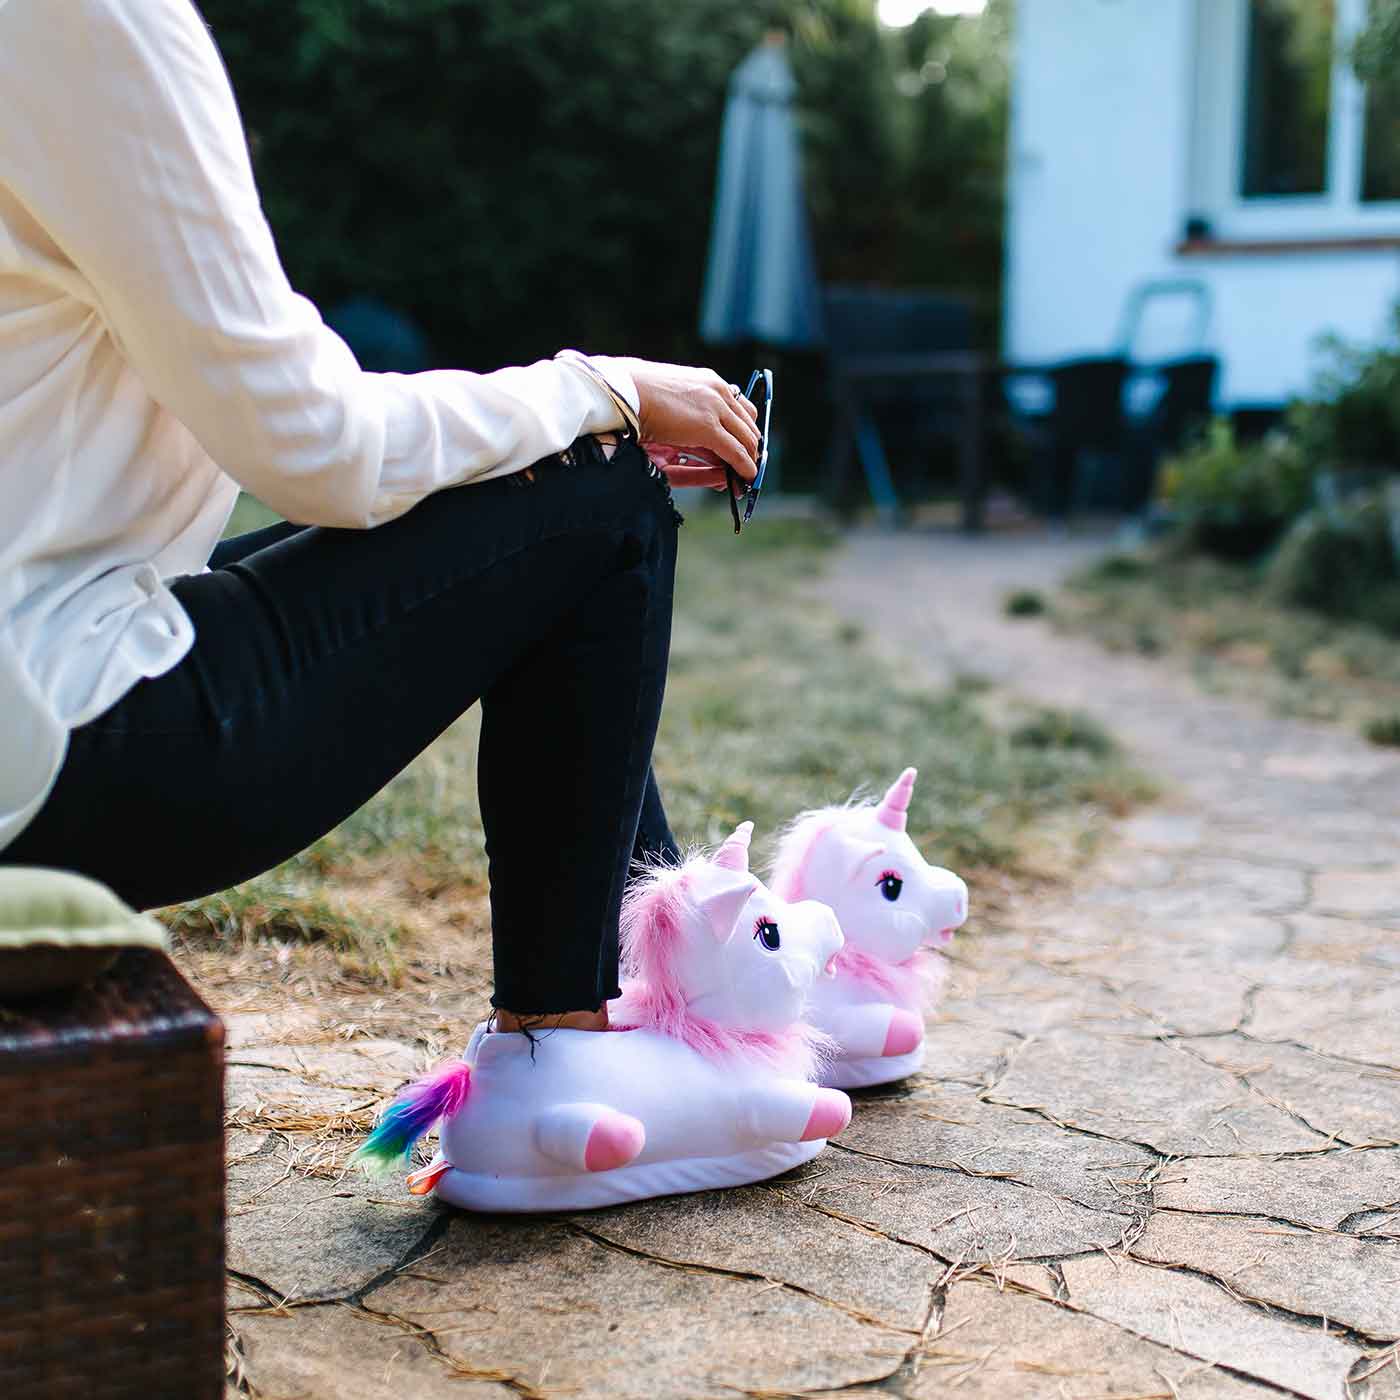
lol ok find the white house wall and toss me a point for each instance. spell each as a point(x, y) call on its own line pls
point(1105, 156)
point(1271, 310)
point(1100, 113)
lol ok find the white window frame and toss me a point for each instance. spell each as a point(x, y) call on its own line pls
point(1222, 78)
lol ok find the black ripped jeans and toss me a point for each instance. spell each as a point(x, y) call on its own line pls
point(325, 660)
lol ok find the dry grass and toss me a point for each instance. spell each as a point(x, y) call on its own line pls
point(1216, 618)
point(772, 706)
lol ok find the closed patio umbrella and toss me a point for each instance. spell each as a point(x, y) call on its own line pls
point(760, 281)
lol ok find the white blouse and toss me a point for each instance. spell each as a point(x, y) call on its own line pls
point(153, 359)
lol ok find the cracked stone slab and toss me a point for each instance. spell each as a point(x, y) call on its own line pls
point(258, 1096)
point(1187, 995)
point(569, 1316)
point(1339, 765)
point(367, 1066)
point(1250, 798)
point(1350, 839)
point(1340, 1277)
point(1321, 1191)
point(1213, 887)
point(998, 1345)
point(1161, 829)
point(288, 1025)
point(1352, 1012)
point(1364, 893)
point(1228, 939)
point(955, 1216)
point(335, 1352)
point(1123, 867)
point(1197, 1317)
point(313, 1238)
point(240, 1144)
point(1028, 998)
point(1378, 1377)
point(973, 1054)
point(1379, 1224)
point(762, 1231)
point(1148, 1092)
point(1345, 1102)
point(956, 1129)
point(1344, 943)
point(1078, 941)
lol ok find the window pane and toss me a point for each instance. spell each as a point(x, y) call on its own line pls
point(1381, 174)
point(1288, 97)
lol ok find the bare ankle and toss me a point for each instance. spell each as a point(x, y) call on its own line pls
point(536, 1024)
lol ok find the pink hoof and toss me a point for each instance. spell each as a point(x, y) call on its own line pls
point(830, 1115)
point(419, 1183)
point(613, 1142)
point(904, 1034)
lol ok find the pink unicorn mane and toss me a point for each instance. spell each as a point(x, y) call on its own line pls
point(911, 983)
point(654, 912)
point(798, 843)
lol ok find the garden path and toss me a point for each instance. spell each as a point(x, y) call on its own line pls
point(1156, 1152)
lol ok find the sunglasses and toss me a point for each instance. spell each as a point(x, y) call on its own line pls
point(760, 394)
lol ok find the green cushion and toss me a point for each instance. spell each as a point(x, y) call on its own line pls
point(58, 908)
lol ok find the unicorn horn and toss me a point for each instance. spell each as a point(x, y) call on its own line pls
point(734, 854)
point(894, 810)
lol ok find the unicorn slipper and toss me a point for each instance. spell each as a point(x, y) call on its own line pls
point(859, 860)
point(704, 1081)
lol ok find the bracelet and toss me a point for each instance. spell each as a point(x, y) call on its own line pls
point(632, 425)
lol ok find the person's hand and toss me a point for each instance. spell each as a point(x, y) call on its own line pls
point(696, 409)
point(690, 466)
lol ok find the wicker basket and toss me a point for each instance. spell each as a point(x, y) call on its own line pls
point(111, 1190)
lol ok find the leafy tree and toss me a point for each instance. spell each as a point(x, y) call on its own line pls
point(955, 83)
point(517, 177)
point(514, 177)
point(1376, 56)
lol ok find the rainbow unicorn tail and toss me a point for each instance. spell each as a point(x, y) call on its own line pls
point(411, 1115)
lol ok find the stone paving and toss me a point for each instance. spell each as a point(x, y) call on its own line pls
point(1155, 1154)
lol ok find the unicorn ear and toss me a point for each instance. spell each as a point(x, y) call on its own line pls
point(721, 905)
point(734, 853)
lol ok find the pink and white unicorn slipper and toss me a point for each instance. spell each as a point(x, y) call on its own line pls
point(705, 1079)
point(859, 860)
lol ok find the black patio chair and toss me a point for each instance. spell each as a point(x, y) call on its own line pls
point(1076, 448)
point(898, 364)
point(1087, 453)
point(1188, 393)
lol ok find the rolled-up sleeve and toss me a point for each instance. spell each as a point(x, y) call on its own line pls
point(121, 136)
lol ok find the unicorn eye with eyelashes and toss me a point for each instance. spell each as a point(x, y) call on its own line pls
point(890, 884)
point(766, 931)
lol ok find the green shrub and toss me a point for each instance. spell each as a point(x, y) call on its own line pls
point(1342, 562)
point(1113, 568)
point(1220, 484)
point(1147, 641)
point(1385, 731)
point(1063, 729)
point(1024, 602)
point(1353, 419)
